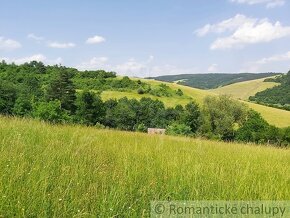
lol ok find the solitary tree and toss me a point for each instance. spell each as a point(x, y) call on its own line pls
point(192, 116)
point(90, 108)
point(222, 115)
point(62, 88)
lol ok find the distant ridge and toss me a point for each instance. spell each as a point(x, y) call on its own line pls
point(212, 80)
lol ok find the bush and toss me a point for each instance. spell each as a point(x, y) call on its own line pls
point(286, 136)
point(141, 128)
point(90, 108)
point(221, 116)
point(100, 126)
point(192, 116)
point(178, 129)
point(179, 92)
point(22, 107)
point(8, 95)
point(254, 129)
point(50, 112)
point(140, 91)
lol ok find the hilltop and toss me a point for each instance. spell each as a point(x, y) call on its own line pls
point(212, 80)
point(278, 96)
point(243, 90)
point(274, 116)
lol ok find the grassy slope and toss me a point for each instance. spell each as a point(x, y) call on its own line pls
point(190, 93)
point(277, 117)
point(66, 171)
point(212, 81)
point(244, 90)
point(167, 100)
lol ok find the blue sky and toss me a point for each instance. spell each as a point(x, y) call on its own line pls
point(149, 38)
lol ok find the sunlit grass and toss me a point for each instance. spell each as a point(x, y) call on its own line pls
point(243, 90)
point(277, 117)
point(168, 101)
point(67, 171)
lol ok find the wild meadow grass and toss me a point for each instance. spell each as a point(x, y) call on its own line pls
point(73, 171)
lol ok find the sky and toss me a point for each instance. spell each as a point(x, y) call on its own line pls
point(150, 37)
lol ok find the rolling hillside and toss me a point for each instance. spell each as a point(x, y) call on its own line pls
point(243, 90)
point(277, 117)
point(278, 96)
point(37, 76)
point(212, 81)
point(74, 171)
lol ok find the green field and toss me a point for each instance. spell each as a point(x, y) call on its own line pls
point(277, 117)
point(73, 171)
point(244, 90)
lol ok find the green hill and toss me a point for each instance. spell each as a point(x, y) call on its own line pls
point(278, 96)
point(274, 116)
point(211, 81)
point(27, 83)
point(243, 90)
point(73, 171)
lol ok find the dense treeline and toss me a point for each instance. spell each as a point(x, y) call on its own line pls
point(99, 80)
point(212, 80)
point(278, 96)
point(30, 91)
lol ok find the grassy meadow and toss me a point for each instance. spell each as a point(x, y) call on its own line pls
point(168, 102)
point(74, 171)
point(243, 90)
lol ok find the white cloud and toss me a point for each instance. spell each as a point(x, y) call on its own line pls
point(51, 44)
point(94, 63)
point(268, 3)
point(58, 60)
point(213, 68)
point(9, 44)
point(134, 68)
point(226, 25)
point(36, 57)
point(250, 33)
point(275, 58)
point(244, 30)
point(61, 45)
point(35, 37)
point(275, 63)
point(95, 40)
point(131, 68)
point(150, 59)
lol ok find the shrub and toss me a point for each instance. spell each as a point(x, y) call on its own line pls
point(192, 116)
point(178, 129)
point(8, 95)
point(141, 128)
point(22, 107)
point(99, 126)
point(90, 108)
point(179, 92)
point(254, 129)
point(140, 91)
point(221, 116)
point(50, 112)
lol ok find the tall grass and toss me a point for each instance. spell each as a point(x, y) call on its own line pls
point(73, 171)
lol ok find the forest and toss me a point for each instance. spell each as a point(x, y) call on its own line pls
point(212, 80)
point(58, 94)
point(278, 96)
